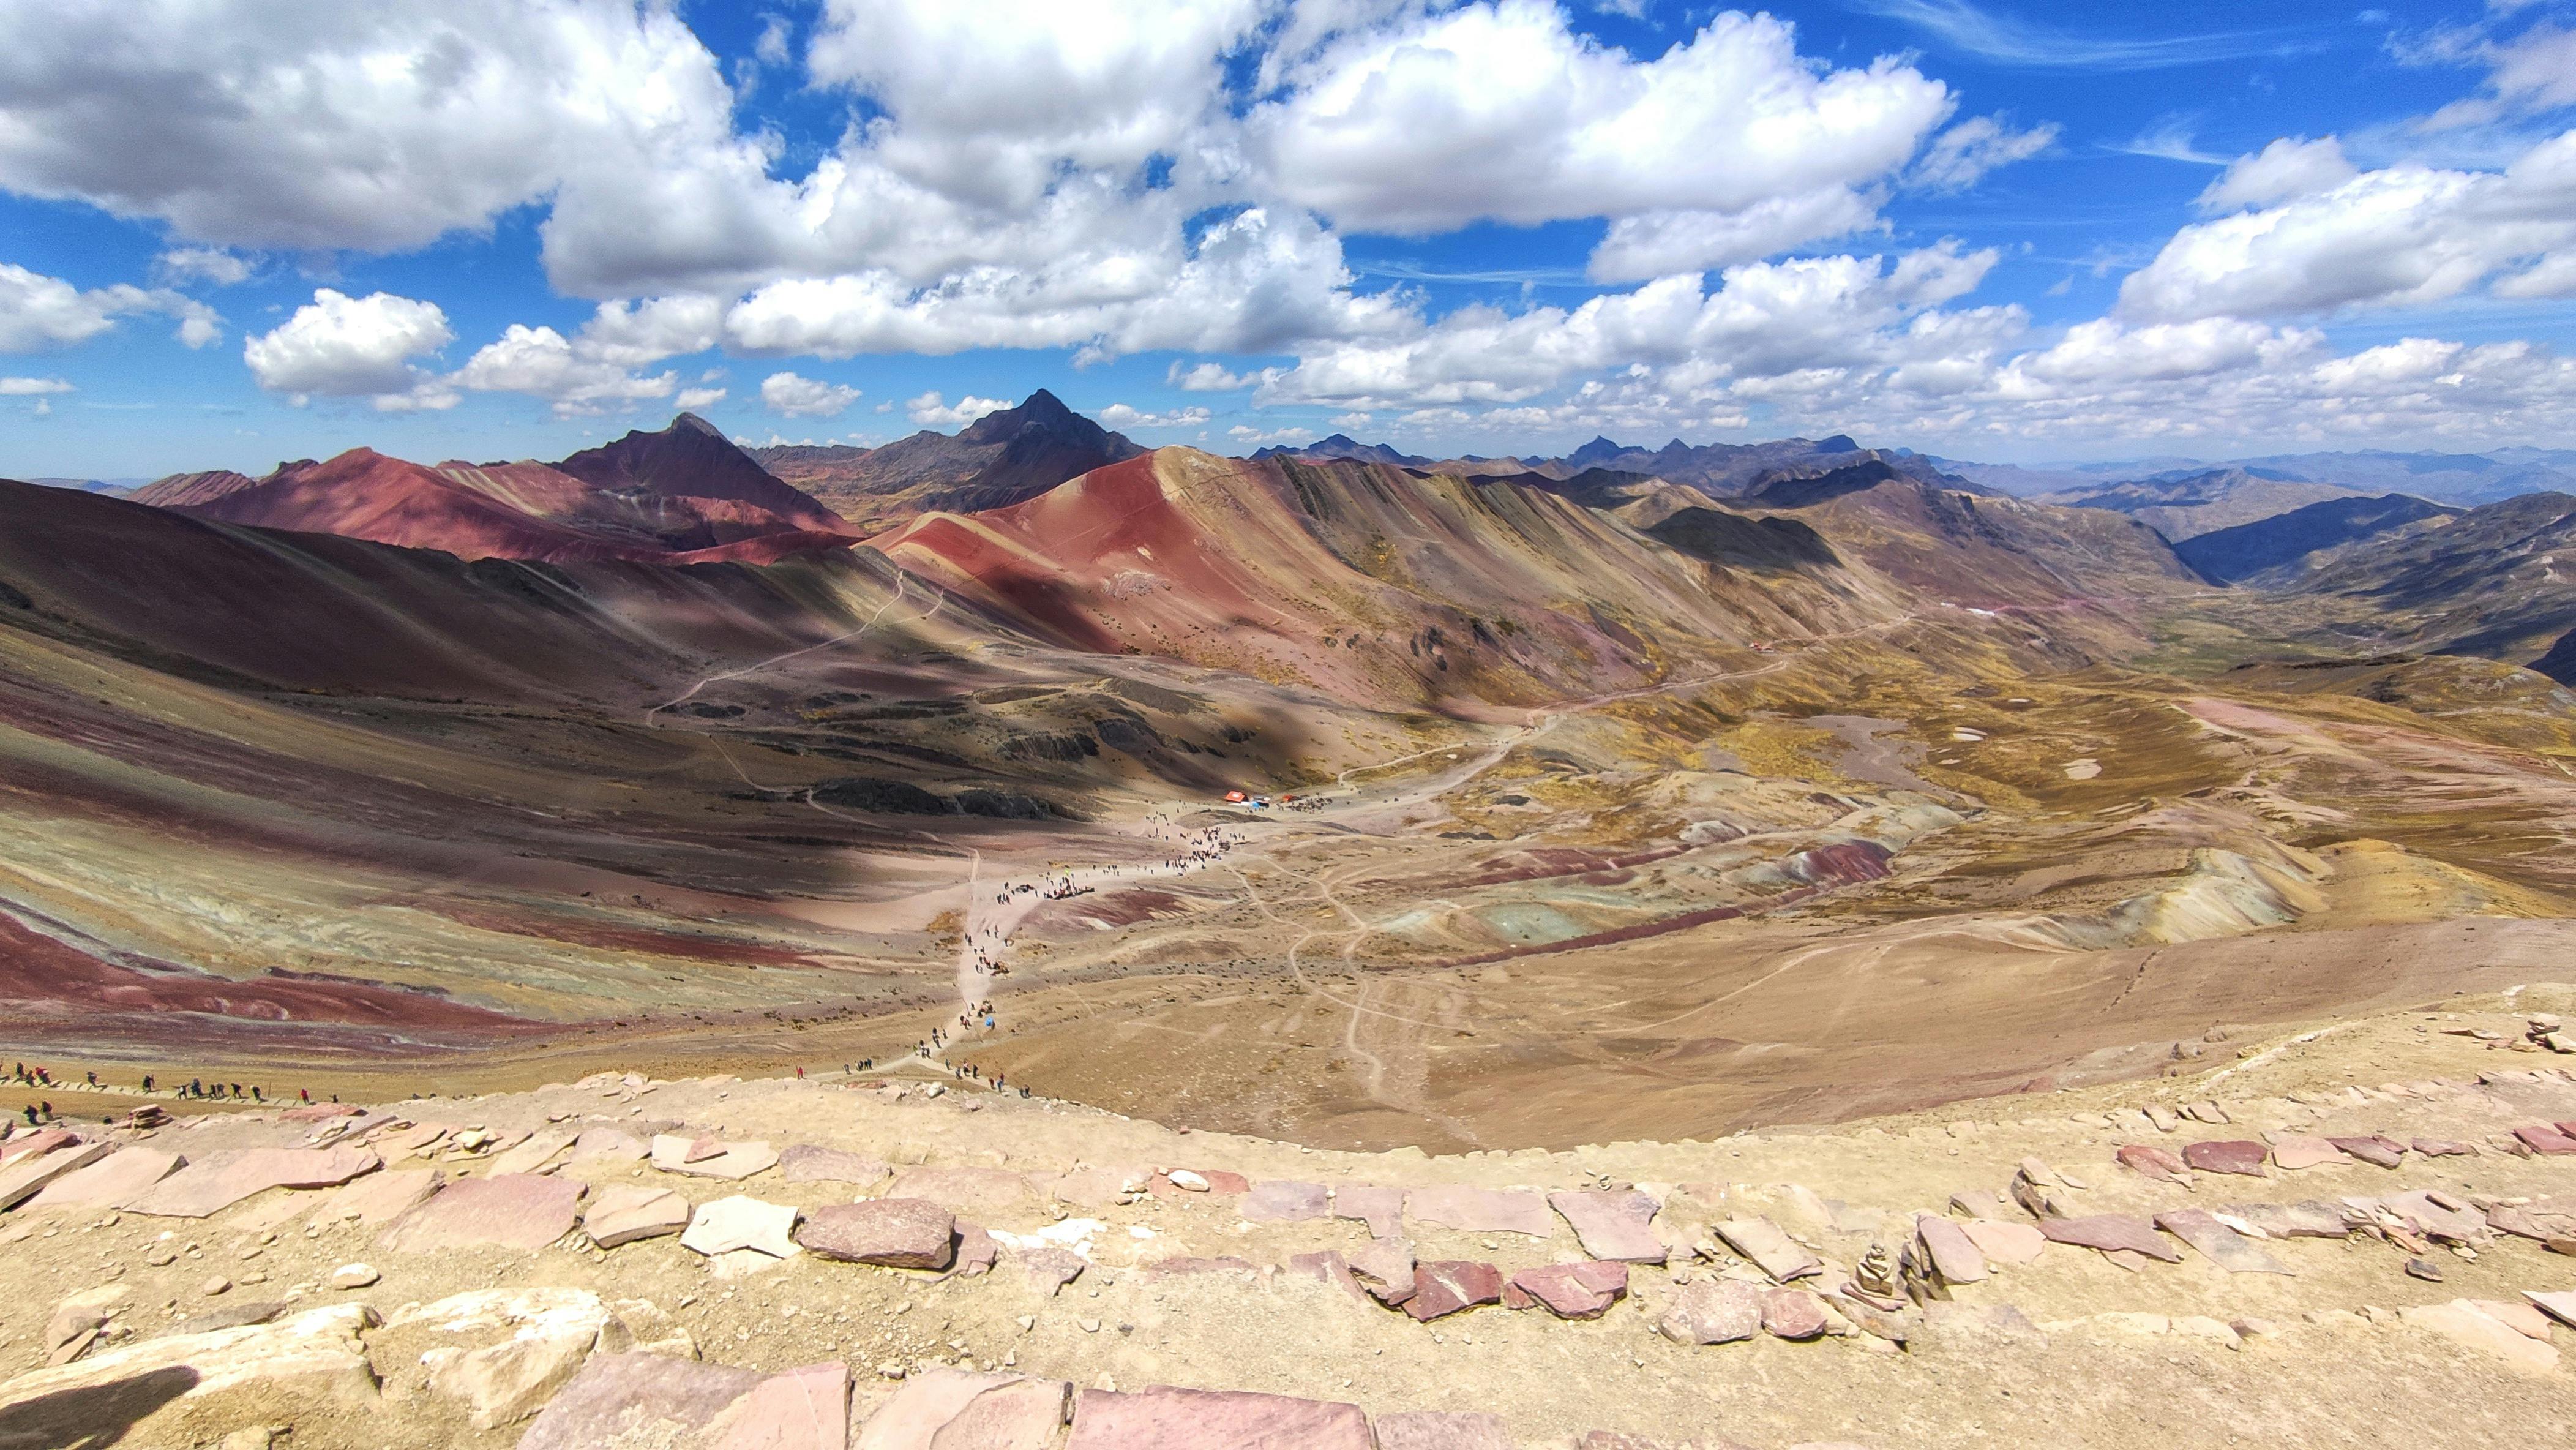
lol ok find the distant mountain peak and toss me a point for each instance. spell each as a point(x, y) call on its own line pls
point(694, 423)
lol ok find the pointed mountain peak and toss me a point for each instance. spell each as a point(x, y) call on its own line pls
point(1043, 407)
point(692, 423)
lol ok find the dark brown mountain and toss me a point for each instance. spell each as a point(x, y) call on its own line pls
point(693, 459)
point(998, 460)
point(2275, 550)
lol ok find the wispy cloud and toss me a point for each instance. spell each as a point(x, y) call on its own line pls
point(2009, 40)
point(2171, 139)
point(1511, 276)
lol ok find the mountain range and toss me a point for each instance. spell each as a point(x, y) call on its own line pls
point(998, 460)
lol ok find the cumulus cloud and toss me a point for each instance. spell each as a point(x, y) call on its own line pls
point(1661, 244)
point(32, 387)
point(791, 396)
point(183, 265)
point(692, 399)
point(1120, 415)
point(930, 410)
point(1207, 377)
point(338, 346)
point(1961, 156)
point(2289, 167)
point(37, 311)
point(543, 363)
point(2401, 235)
point(2531, 73)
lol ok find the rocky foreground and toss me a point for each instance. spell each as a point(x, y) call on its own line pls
point(2294, 1248)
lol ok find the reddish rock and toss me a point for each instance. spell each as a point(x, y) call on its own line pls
point(1713, 1312)
point(636, 1399)
point(2218, 1243)
point(1771, 1250)
point(1385, 1269)
point(516, 1211)
point(2227, 1155)
point(1170, 1419)
point(977, 1251)
point(1575, 1291)
point(2112, 1232)
point(1446, 1286)
point(1279, 1200)
point(2438, 1216)
point(1328, 1267)
point(380, 1198)
point(2311, 1219)
point(897, 1233)
point(2003, 1242)
point(2293, 1152)
point(1441, 1430)
point(1792, 1314)
point(36, 1144)
point(1221, 1181)
point(2441, 1148)
point(2152, 1161)
point(1516, 1298)
point(2385, 1152)
point(1612, 1225)
point(626, 1212)
point(802, 1409)
point(2546, 1140)
point(1481, 1210)
point(224, 1179)
point(1955, 1256)
point(112, 1180)
point(805, 1163)
point(1195, 1264)
point(1049, 1268)
point(1382, 1209)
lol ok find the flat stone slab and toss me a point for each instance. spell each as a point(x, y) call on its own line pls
point(895, 1233)
point(1954, 1255)
point(1446, 1286)
point(2441, 1148)
point(536, 1152)
point(1771, 1250)
point(626, 1212)
point(2545, 1140)
point(2005, 1242)
point(520, 1211)
point(2112, 1233)
point(2374, 1149)
point(1612, 1225)
point(940, 1408)
point(36, 1144)
point(1385, 1270)
point(2218, 1243)
point(380, 1198)
point(2557, 1304)
point(2463, 1323)
point(312, 1360)
point(703, 1158)
point(2294, 1152)
point(1280, 1200)
point(1713, 1312)
point(1049, 1268)
point(1575, 1291)
point(224, 1179)
point(801, 1409)
point(2441, 1221)
point(742, 1222)
point(2227, 1155)
point(1169, 1419)
point(1481, 1210)
point(2312, 1218)
point(1441, 1430)
point(616, 1145)
point(805, 1163)
point(1382, 1209)
point(619, 1400)
point(2154, 1162)
point(108, 1182)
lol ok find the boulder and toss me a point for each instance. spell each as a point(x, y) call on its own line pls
point(1575, 1291)
point(2003, 1242)
point(1446, 1286)
point(742, 1222)
point(897, 1233)
point(709, 1158)
point(2112, 1233)
point(1772, 1251)
point(1612, 1225)
point(1441, 1430)
point(626, 1212)
point(1713, 1312)
point(1792, 1314)
point(2218, 1243)
point(1276, 1200)
point(636, 1402)
point(521, 1211)
point(2227, 1155)
point(802, 1409)
point(111, 1180)
point(1382, 1209)
point(805, 1163)
point(223, 1179)
point(1172, 1419)
point(1481, 1210)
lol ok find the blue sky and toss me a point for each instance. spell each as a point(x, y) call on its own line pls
point(508, 228)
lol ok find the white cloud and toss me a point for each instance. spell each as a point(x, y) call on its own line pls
point(1121, 416)
point(37, 311)
point(181, 265)
point(2531, 73)
point(2406, 234)
point(791, 396)
point(2289, 167)
point(1961, 156)
point(542, 363)
point(1206, 377)
point(339, 346)
point(1500, 111)
point(1661, 244)
point(32, 387)
point(692, 399)
point(930, 410)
